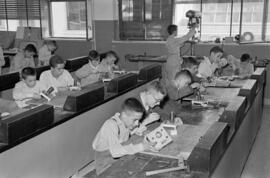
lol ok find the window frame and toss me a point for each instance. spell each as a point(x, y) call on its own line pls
point(50, 19)
point(144, 21)
point(231, 21)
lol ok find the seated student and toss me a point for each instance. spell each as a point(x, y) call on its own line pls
point(180, 85)
point(108, 63)
point(208, 66)
point(46, 51)
point(57, 77)
point(246, 68)
point(2, 59)
point(150, 98)
point(109, 141)
point(24, 58)
point(28, 88)
point(89, 73)
point(191, 65)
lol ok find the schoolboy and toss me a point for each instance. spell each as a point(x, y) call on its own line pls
point(28, 88)
point(89, 73)
point(108, 143)
point(46, 51)
point(57, 77)
point(246, 68)
point(24, 58)
point(209, 65)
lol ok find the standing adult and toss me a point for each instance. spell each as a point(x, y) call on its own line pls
point(173, 44)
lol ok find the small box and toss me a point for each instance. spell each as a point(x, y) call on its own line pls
point(86, 98)
point(122, 83)
point(150, 72)
point(15, 127)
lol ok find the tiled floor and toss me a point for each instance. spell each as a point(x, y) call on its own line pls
point(258, 164)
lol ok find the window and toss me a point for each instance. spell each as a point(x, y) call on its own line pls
point(180, 19)
point(252, 19)
point(223, 18)
point(66, 19)
point(144, 19)
point(268, 24)
point(19, 13)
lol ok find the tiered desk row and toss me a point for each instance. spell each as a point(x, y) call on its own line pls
point(55, 138)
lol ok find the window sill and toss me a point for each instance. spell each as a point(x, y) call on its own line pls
point(67, 39)
point(137, 41)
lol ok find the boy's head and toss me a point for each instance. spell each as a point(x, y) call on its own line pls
point(245, 58)
point(52, 45)
point(182, 79)
point(155, 93)
point(132, 112)
point(57, 65)
point(172, 29)
point(111, 57)
point(94, 57)
point(30, 50)
point(29, 76)
point(190, 64)
point(215, 54)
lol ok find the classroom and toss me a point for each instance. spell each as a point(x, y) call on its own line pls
point(134, 88)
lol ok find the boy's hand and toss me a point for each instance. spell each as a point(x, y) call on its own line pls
point(151, 118)
point(149, 146)
point(195, 85)
point(178, 121)
point(36, 96)
point(139, 130)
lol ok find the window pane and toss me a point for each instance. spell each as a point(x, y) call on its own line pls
point(236, 17)
point(127, 10)
point(45, 18)
point(268, 24)
point(68, 19)
point(180, 19)
point(3, 25)
point(215, 20)
point(13, 24)
point(252, 20)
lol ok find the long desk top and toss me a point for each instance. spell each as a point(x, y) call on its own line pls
point(60, 116)
point(203, 133)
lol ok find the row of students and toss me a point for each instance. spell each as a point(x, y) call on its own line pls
point(59, 78)
point(25, 58)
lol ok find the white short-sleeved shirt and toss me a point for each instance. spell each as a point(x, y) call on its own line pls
point(206, 68)
point(48, 80)
point(44, 55)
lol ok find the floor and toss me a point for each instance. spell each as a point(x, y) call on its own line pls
point(258, 163)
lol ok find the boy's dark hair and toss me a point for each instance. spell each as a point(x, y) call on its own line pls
point(183, 73)
point(189, 62)
point(30, 48)
point(171, 29)
point(216, 49)
point(132, 104)
point(93, 55)
point(157, 85)
point(109, 53)
point(245, 57)
point(28, 71)
point(55, 60)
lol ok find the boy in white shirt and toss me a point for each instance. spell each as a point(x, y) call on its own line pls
point(28, 88)
point(46, 51)
point(108, 143)
point(57, 77)
point(208, 66)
